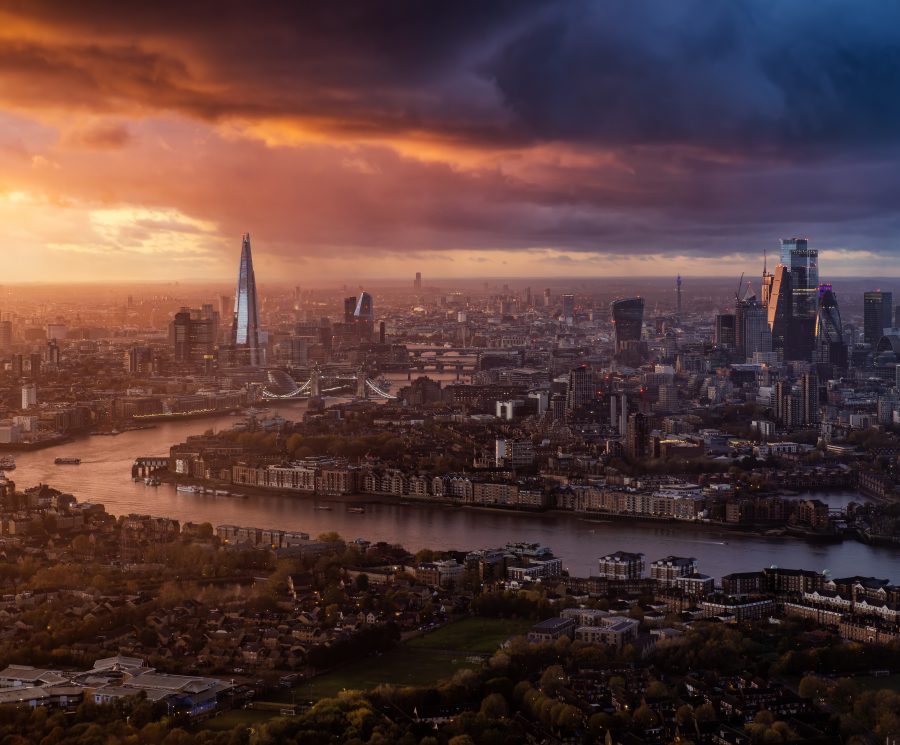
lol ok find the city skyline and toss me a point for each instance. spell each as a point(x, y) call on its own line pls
point(464, 142)
point(560, 402)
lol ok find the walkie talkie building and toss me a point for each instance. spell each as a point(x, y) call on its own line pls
point(628, 319)
point(245, 326)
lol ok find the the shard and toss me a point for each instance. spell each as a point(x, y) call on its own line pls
point(245, 326)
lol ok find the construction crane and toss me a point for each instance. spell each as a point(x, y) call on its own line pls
point(738, 295)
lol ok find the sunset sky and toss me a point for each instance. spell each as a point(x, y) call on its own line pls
point(374, 139)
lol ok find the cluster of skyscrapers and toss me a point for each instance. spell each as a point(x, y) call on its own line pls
point(797, 317)
point(197, 335)
point(200, 335)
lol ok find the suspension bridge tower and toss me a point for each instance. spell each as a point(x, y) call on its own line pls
point(362, 390)
point(315, 385)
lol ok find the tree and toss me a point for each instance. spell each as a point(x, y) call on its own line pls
point(568, 717)
point(425, 555)
point(552, 679)
point(493, 706)
point(644, 717)
point(812, 686)
point(82, 546)
point(684, 714)
point(461, 740)
point(178, 737)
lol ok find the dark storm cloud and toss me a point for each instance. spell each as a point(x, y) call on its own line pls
point(684, 125)
point(734, 75)
point(785, 76)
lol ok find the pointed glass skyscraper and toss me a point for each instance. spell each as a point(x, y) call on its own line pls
point(245, 327)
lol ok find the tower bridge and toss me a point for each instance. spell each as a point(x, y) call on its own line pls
point(282, 386)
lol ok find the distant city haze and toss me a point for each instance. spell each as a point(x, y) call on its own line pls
point(526, 139)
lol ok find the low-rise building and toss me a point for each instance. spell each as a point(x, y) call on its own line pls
point(614, 631)
point(737, 609)
point(621, 565)
point(552, 629)
point(666, 570)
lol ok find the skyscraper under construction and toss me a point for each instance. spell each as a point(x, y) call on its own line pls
point(245, 325)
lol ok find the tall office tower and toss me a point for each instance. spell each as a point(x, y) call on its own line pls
point(779, 391)
point(780, 309)
point(53, 353)
point(245, 324)
point(527, 297)
point(725, 331)
point(802, 260)
point(765, 291)
point(193, 334)
point(29, 396)
point(751, 329)
point(547, 297)
point(226, 306)
point(803, 264)
point(349, 308)
point(876, 315)
point(17, 365)
point(678, 297)
point(35, 366)
point(830, 347)
point(364, 314)
point(568, 303)
point(897, 317)
point(618, 412)
point(628, 318)
point(636, 438)
point(581, 388)
point(809, 398)
point(417, 283)
point(139, 359)
point(6, 335)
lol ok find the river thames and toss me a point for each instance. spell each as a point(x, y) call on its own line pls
point(105, 476)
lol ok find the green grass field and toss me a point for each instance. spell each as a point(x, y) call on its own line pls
point(472, 635)
point(421, 661)
point(238, 717)
point(871, 683)
point(401, 666)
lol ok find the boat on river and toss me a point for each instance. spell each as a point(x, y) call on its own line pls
point(7, 463)
point(68, 461)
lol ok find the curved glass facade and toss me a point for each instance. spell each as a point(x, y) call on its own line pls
point(830, 346)
point(628, 318)
point(365, 308)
